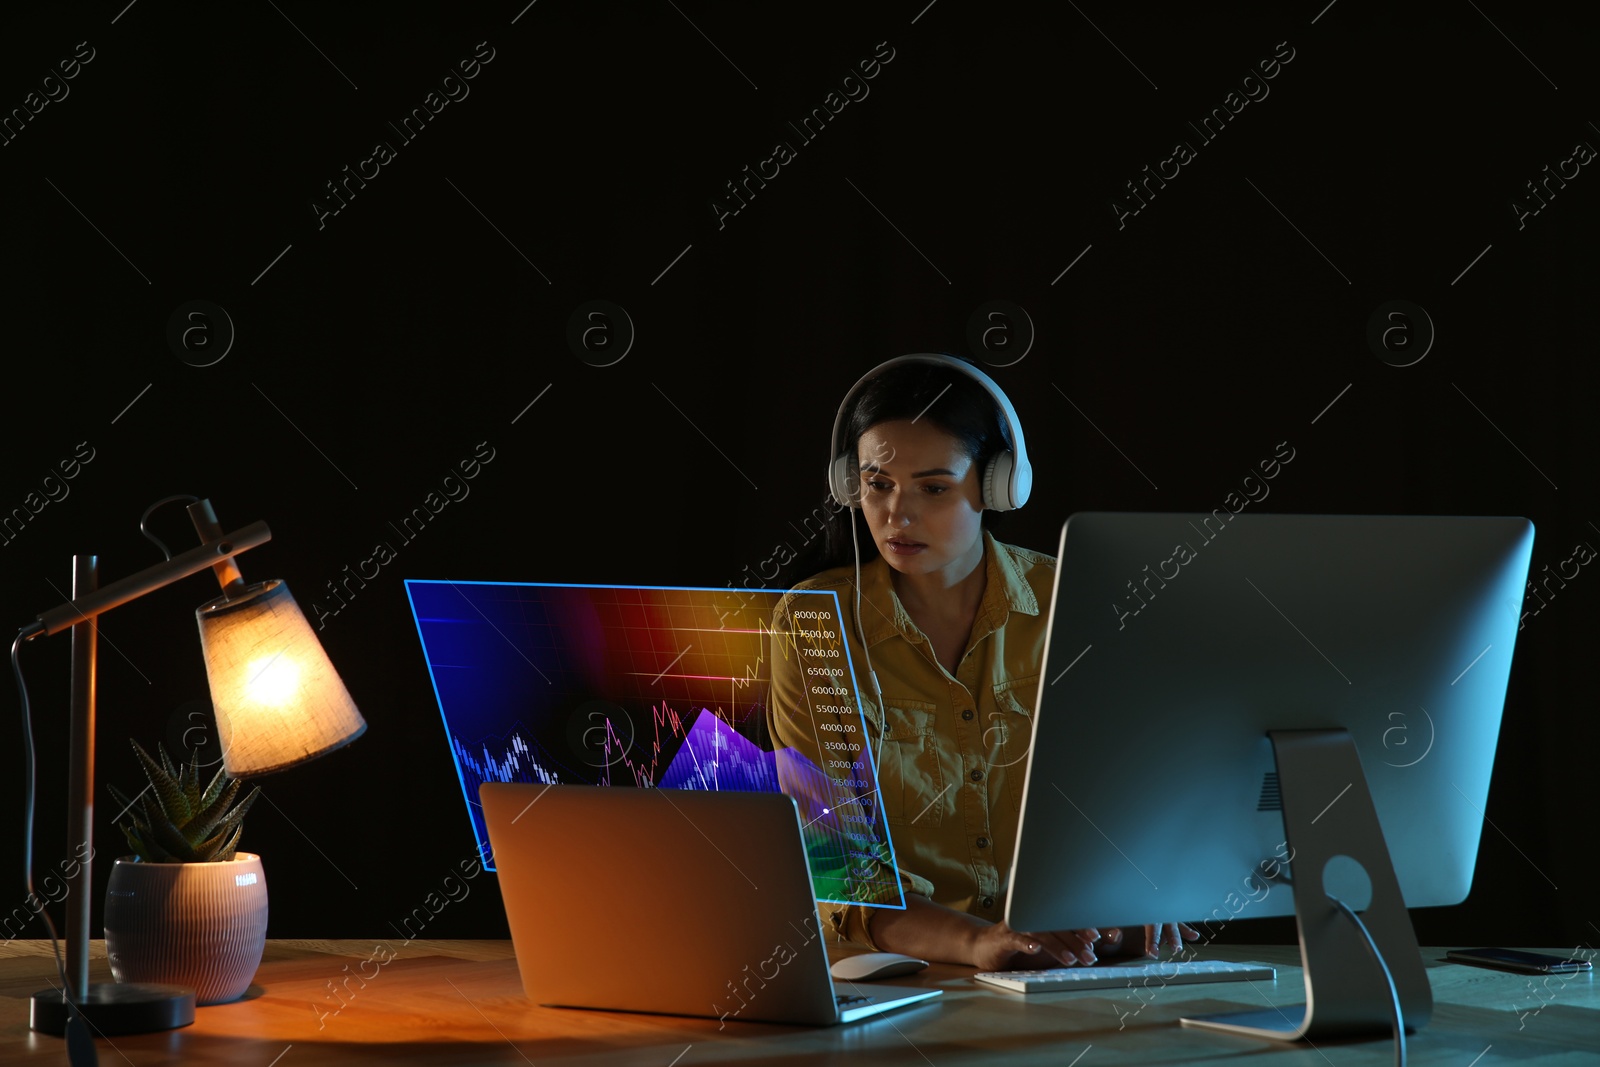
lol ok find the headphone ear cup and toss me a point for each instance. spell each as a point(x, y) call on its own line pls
point(839, 481)
point(997, 482)
point(1022, 481)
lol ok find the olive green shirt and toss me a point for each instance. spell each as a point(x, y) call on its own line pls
point(955, 747)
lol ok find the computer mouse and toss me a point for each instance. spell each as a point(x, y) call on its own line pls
point(869, 966)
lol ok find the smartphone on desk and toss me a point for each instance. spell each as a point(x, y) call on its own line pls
point(1506, 959)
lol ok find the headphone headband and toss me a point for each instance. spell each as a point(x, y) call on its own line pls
point(1008, 478)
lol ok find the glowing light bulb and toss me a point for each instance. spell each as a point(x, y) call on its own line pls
point(273, 681)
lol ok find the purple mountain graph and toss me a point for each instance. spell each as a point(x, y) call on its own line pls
point(714, 757)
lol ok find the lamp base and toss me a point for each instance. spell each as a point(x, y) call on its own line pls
point(116, 1008)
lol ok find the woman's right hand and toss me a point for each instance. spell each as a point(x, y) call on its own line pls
point(997, 947)
point(1147, 940)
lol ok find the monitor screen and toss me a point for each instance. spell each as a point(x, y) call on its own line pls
point(650, 687)
point(1178, 641)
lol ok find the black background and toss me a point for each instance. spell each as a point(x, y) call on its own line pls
point(375, 351)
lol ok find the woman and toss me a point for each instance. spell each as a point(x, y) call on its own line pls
point(946, 632)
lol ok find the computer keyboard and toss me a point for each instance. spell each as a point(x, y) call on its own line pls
point(1124, 975)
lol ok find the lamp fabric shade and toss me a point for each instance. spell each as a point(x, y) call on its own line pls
point(277, 698)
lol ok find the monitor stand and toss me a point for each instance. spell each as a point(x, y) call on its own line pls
point(1328, 813)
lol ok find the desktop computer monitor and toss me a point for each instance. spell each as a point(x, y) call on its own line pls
point(1243, 715)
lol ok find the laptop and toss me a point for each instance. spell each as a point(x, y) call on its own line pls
point(680, 902)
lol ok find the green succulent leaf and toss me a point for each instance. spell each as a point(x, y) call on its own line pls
point(174, 820)
point(166, 787)
point(190, 782)
point(244, 805)
point(202, 825)
point(214, 790)
point(212, 847)
point(146, 812)
point(135, 842)
point(218, 815)
point(229, 825)
point(227, 851)
point(171, 840)
point(120, 797)
point(135, 810)
point(166, 762)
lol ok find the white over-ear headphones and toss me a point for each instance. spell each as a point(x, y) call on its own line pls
point(1007, 479)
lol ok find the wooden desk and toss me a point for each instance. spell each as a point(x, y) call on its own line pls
point(460, 1002)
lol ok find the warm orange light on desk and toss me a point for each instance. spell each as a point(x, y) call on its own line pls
point(277, 698)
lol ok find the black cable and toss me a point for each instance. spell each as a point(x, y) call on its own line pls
point(1394, 997)
point(80, 1047)
point(883, 712)
point(165, 551)
point(28, 775)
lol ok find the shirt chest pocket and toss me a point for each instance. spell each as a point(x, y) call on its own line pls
point(909, 776)
point(1008, 733)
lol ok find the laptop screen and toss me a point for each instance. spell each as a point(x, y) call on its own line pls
point(654, 687)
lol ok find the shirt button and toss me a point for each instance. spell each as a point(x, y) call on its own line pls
point(967, 715)
point(977, 775)
point(983, 842)
point(987, 902)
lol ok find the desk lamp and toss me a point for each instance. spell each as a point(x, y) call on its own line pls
point(278, 703)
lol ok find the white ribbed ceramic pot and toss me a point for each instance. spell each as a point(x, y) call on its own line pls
point(201, 925)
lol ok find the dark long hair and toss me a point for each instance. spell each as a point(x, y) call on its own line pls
point(952, 400)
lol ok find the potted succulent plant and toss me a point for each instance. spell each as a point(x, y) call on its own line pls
point(187, 908)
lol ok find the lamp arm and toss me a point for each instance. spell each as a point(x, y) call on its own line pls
point(153, 577)
point(210, 531)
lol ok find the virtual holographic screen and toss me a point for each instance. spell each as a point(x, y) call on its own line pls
point(653, 687)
